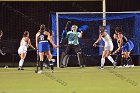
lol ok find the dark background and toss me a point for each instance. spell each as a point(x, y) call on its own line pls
point(18, 16)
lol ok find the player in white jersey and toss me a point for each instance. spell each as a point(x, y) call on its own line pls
point(108, 48)
point(22, 50)
point(1, 52)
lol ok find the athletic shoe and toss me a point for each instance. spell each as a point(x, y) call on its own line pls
point(82, 66)
point(6, 66)
point(40, 72)
point(18, 68)
point(126, 66)
point(101, 67)
point(21, 69)
point(131, 66)
point(62, 66)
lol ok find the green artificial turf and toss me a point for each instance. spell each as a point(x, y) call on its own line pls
point(70, 80)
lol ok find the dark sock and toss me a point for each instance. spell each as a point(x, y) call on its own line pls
point(41, 65)
point(122, 61)
point(125, 61)
point(51, 65)
point(129, 60)
point(46, 62)
point(117, 57)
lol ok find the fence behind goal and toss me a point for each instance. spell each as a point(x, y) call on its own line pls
point(128, 21)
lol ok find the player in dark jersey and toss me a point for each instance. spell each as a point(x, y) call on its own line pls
point(125, 45)
point(118, 54)
point(43, 46)
point(46, 62)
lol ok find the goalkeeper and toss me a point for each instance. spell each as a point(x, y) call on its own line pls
point(73, 45)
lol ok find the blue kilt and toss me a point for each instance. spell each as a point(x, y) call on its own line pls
point(128, 46)
point(43, 46)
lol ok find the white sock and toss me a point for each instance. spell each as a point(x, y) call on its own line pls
point(102, 61)
point(111, 59)
point(21, 62)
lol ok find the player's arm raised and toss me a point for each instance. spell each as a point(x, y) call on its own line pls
point(80, 34)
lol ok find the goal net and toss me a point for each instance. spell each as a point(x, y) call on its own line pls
point(128, 21)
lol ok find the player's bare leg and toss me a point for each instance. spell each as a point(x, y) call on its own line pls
point(22, 57)
point(110, 58)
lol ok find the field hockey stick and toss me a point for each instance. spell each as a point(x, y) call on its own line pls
point(63, 46)
point(37, 62)
point(31, 49)
point(68, 22)
point(101, 46)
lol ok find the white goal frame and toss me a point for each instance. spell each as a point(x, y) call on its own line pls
point(57, 25)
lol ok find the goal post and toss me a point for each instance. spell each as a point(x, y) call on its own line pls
point(57, 31)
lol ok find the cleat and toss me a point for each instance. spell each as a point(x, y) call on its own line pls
point(131, 66)
point(18, 68)
point(126, 66)
point(62, 66)
point(82, 66)
point(6, 66)
point(101, 67)
point(21, 69)
point(40, 72)
point(36, 71)
point(114, 64)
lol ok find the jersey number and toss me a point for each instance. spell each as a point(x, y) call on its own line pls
point(42, 37)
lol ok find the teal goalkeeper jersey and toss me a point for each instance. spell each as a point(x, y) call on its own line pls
point(73, 37)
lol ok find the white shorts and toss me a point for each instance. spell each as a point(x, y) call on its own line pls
point(108, 46)
point(22, 49)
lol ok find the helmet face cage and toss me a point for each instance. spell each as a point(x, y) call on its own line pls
point(42, 27)
point(101, 29)
point(118, 30)
point(74, 28)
